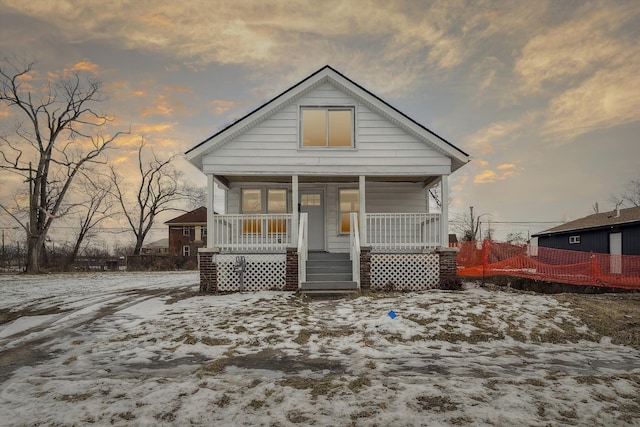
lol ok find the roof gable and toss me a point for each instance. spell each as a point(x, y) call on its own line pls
point(198, 215)
point(327, 75)
point(626, 216)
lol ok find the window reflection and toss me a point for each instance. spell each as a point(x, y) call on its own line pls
point(327, 127)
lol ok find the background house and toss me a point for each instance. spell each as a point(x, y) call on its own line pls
point(158, 247)
point(615, 233)
point(188, 233)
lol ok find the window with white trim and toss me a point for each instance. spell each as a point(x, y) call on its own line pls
point(326, 127)
point(186, 250)
point(349, 201)
point(573, 240)
point(186, 231)
point(257, 201)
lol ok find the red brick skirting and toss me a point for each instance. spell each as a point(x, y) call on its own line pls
point(208, 272)
point(365, 268)
point(291, 270)
point(448, 268)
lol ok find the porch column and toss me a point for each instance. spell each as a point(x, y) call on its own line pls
point(444, 187)
point(211, 185)
point(363, 211)
point(294, 209)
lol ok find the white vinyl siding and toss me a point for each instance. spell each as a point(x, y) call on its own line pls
point(272, 146)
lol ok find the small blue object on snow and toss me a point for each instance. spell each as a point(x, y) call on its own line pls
point(392, 314)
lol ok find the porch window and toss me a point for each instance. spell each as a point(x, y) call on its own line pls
point(327, 127)
point(277, 204)
point(251, 205)
point(349, 202)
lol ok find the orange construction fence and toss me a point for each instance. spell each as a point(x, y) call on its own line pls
point(491, 258)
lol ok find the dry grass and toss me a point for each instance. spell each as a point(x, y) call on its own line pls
point(613, 315)
point(324, 386)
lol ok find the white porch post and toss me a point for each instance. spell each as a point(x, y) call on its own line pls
point(363, 211)
point(444, 187)
point(211, 185)
point(294, 209)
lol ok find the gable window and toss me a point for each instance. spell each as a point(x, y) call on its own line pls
point(574, 240)
point(349, 202)
point(186, 231)
point(327, 127)
point(186, 250)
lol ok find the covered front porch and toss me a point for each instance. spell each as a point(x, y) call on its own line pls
point(375, 232)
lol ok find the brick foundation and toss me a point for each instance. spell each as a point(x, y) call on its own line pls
point(365, 268)
point(448, 267)
point(208, 271)
point(291, 270)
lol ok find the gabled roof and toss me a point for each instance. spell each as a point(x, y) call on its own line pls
point(324, 75)
point(607, 219)
point(196, 216)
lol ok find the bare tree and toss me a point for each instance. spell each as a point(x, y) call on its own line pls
point(158, 189)
point(56, 133)
point(631, 195)
point(196, 196)
point(94, 207)
point(468, 226)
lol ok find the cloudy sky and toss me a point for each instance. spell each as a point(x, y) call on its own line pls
point(544, 95)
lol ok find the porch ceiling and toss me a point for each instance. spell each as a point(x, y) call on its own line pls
point(427, 180)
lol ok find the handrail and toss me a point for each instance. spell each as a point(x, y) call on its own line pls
point(354, 245)
point(303, 248)
point(404, 231)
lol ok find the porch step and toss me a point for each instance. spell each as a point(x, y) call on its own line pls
point(327, 256)
point(343, 285)
point(329, 267)
point(325, 276)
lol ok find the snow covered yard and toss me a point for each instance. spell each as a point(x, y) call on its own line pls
point(145, 349)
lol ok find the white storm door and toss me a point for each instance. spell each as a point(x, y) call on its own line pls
point(615, 249)
point(312, 202)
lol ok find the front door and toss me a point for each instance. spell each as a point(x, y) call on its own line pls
point(312, 202)
point(615, 249)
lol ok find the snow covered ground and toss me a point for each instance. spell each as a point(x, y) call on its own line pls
point(145, 349)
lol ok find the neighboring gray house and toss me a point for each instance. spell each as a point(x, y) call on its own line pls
point(326, 188)
point(616, 232)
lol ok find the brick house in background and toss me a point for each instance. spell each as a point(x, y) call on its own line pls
point(188, 233)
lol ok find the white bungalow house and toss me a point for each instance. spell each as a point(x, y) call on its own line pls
point(326, 188)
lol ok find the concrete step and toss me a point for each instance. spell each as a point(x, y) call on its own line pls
point(343, 267)
point(326, 276)
point(327, 256)
point(344, 285)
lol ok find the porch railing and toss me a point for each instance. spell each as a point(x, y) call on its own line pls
point(403, 231)
point(303, 248)
point(259, 233)
point(354, 244)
